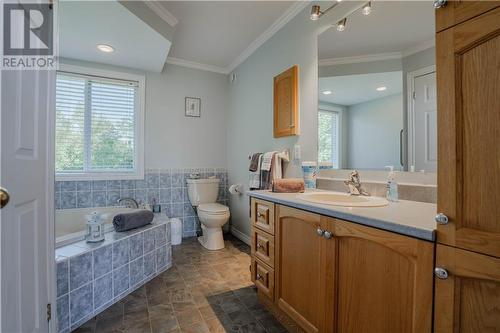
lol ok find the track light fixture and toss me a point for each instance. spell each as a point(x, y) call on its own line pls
point(367, 8)
point(316, 12)
point(341, 24)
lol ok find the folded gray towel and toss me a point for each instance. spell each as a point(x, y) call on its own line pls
point(132, 220)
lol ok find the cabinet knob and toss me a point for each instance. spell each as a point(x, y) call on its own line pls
point(320, 232)
point(259, 245)
point(258, 276)
point(441, 218)
point(327, 234)
point(259, 214)
point(441, 273)
point(439, 3)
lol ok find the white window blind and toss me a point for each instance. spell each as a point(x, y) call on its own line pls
point(95, 124)
point(328, 141)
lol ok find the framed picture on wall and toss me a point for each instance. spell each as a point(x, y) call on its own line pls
point(193, 107)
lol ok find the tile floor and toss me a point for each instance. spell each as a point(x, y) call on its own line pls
point(204, 291)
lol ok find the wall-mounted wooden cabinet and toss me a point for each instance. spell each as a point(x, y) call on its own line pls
point(286, 114)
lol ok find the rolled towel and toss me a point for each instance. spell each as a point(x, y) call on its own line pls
point(288, 185)
point(132, 220)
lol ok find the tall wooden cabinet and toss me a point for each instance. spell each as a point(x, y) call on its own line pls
point(467, 296)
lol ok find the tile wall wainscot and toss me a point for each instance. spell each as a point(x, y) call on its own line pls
point(92, 277)
point(166, 186)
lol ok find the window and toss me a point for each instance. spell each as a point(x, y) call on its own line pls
point(98, 126)
point(328, 137)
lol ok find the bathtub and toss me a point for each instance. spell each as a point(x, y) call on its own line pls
point(71, 223)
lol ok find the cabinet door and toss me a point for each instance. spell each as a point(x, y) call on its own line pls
point(285, 103)
point(468, 300)
point(300, 267)
point(468, 86)
point(383, 280)
point(458, 11)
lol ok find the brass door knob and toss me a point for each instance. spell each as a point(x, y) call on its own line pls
point(4, 197)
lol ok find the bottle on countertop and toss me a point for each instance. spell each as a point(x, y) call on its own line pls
point(391, 185)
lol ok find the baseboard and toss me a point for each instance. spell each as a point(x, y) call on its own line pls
point(241, 236)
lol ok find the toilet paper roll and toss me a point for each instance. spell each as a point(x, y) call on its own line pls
point(236, 189)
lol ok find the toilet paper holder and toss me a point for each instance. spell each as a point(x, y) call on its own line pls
point(236, 189)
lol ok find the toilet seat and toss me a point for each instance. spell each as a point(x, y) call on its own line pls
point(213, 209)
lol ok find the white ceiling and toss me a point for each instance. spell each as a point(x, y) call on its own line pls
point(392, 26)
point(354, 89)
point(84, 24)
point(216, 33)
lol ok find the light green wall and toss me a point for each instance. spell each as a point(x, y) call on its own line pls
point(250, 120)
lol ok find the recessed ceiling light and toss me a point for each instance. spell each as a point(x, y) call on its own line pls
point(382, 88)
point(326, 92)
point(105, 48)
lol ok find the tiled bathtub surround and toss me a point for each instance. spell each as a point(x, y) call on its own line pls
point(166, 186)
point(91, 277)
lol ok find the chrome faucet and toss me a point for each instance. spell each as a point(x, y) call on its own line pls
point(354, 184)
point(128, 202)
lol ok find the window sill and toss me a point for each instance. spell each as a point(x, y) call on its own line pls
point(100, 176)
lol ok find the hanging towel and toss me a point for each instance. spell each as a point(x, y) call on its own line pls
point(266, 170)
point(254, 176)
point(254, 162)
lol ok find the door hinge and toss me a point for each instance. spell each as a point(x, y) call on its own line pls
point(49, 312)
point(414, 95)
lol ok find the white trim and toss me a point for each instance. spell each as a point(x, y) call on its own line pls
point(410, 88)
point(418, 48)
point(139, 127)
point(359, 59)
point(241, 236)
point(378, 56)
point(196, 65)
point(288, 15)
point(162, 12)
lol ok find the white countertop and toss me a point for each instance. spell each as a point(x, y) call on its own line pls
point(411, 218)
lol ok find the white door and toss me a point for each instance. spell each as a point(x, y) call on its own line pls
point(425, 123)
point(26, 222)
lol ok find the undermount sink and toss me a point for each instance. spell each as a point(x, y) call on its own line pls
point(343, 199)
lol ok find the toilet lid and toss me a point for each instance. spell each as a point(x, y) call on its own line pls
point(213, 208)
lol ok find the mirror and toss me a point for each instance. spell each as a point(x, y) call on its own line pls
point(377, 89)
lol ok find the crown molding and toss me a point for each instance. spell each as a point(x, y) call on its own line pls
point(359, 59)
point(377, 57)
point(289, 14)
point(197, 65)
point(162, 12)
point(419, 47)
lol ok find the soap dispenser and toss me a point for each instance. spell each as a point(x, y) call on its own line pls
point(392, 185)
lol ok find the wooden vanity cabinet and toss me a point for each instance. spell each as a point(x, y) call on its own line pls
point(378, 281)
point(300, 258)
point(361, 279)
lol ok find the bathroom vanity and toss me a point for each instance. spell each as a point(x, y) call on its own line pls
point(324, 268)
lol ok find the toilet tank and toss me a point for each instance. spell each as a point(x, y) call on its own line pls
point(202, 191)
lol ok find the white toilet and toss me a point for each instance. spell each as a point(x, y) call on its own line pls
point(212, 215)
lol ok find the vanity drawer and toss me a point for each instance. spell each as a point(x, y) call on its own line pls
point(263, 246)
point(263, 277)
point(262, 215)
